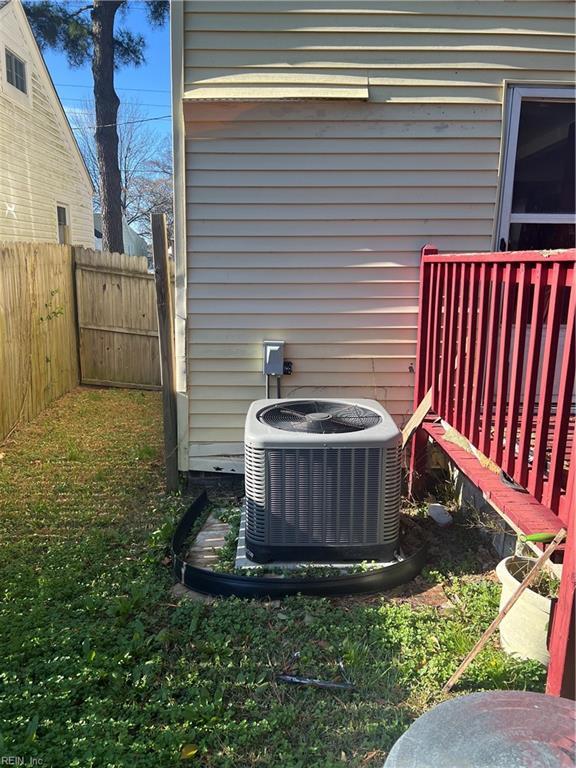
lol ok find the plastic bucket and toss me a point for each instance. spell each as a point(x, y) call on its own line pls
point(524, 629)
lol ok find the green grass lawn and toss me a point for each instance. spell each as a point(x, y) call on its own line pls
point(100, 666)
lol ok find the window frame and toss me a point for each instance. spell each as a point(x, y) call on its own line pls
point(515, 95)
point(9, 52)
point(15, 95)
point(66, 208)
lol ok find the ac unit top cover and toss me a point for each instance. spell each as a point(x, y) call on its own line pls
point(321, 422)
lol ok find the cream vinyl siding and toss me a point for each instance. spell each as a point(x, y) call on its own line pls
point(40, 165)
point(305, 218)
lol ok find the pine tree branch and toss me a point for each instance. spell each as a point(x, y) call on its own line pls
point(79, 11)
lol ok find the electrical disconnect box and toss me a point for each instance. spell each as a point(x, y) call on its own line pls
point(273, 358)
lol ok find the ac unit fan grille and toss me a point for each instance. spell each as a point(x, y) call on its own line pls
point(319, 417)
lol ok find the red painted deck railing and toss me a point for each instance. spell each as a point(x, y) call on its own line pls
point(496, 343)
point(497, 346)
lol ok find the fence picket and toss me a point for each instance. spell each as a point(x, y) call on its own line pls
point(38, 361)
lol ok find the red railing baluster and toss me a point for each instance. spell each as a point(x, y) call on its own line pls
point(451, 348)
point(470, 351)
point(497, 447)
point(491, 346)
point(479, 355)
point(444, 358)
point(531, 377)
point(552, 488)
point(516, 368)
point(460, 355)
point(536, 474)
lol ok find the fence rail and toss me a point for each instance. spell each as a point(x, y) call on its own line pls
point(496, 345)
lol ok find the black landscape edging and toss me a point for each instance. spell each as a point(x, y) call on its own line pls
point(227, 585)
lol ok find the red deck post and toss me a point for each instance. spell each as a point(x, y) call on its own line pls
point(418, 454)
point(561, 669)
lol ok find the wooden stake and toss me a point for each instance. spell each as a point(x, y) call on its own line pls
point(538, 565)
point(166, 337)
point(417, 417)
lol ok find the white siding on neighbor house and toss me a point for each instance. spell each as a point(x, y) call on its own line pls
point(40, 165)
point(305, 219)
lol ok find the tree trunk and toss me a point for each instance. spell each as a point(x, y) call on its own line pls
point(106, 102)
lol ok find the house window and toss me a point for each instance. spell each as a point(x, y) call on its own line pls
point(538, 205)
point(15, 71)
point(63, 225)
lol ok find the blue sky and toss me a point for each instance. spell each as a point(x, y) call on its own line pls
point(149, 85)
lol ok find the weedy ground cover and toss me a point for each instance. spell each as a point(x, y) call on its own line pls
point(101, 667)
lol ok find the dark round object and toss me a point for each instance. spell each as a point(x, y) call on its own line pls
point(319, 417)
point(496, 729)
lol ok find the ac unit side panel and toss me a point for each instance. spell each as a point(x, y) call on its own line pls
point(391, 493)
point(255, 481)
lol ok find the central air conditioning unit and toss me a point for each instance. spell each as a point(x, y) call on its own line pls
point(322, 481)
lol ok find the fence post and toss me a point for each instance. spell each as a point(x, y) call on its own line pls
point(74, 257)
point(418, 452)
point(166, 338)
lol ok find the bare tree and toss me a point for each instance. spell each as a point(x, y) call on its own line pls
point(144, 160)
point(153, 193)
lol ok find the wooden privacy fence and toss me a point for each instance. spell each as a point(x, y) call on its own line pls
point(70, 315)
point(117, 320)
point(497, 347)
point(38, 341)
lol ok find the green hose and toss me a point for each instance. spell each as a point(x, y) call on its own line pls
point(538, 537)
